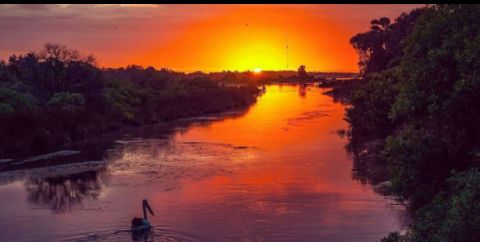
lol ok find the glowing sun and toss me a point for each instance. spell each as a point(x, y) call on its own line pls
point(257, 70)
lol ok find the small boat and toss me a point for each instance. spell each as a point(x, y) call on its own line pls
point(142, 224)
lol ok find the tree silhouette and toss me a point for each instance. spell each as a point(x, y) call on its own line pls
point(58, 96)
point(382, 46)
point(302, 73)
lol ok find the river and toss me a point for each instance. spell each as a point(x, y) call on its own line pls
point(275, 172)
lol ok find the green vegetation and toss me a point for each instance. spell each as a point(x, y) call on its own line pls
point(372, 102)
point(422, 96)
point(59, 96)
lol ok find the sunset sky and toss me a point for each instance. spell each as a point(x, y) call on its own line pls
point(197, 37)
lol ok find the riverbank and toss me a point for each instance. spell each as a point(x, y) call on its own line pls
point(342, 89)
point(95, 148)
point(50, 101)
point(197, 103)
point(426, 112)
point(369, 166)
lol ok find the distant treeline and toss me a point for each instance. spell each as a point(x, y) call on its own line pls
point(58, 96)
point(269, 77)
point(422, 95)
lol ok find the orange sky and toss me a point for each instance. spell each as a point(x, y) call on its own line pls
point(251, 37)
point(197, 37)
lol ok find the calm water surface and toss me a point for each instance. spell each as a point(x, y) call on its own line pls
point(276, 172)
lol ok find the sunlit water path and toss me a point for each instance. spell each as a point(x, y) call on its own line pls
point(277, 172)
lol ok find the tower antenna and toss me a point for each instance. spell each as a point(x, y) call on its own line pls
point(286, 51)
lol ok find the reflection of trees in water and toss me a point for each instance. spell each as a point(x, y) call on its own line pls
point(342, 99)
point(369, 167)
point(69, 187)
point(369, 170)
point(167, 130)
point(302, 90)
point(368, 164)
point(63, 192)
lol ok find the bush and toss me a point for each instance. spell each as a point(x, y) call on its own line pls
point(371, 104)
point(453, 214)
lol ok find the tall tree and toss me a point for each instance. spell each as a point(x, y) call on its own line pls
point(381, 46)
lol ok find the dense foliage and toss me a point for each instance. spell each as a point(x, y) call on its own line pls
point(59, 96)
point(372, 102)
point(438, 98)
point(453, 214)
point(381, 47)
point(427, 104)
point(380, 50)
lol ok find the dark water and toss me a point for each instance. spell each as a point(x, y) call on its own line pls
point(277, 172)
